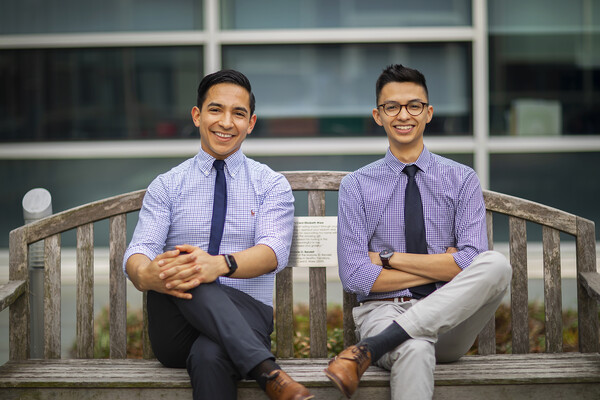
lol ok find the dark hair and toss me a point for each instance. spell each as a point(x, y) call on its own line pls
point(399, 73)
point(225, 76)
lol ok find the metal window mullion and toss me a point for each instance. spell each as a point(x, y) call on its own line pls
point(481, 93)
point(212, 47)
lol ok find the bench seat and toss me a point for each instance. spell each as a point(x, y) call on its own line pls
point(511, 376)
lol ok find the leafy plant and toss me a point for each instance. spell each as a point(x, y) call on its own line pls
point(102, 335)
point(335, 333)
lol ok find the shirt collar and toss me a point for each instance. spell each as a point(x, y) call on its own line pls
point(233, 163)
point(397, 166)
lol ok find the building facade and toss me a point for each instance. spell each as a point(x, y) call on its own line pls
point(95, 97)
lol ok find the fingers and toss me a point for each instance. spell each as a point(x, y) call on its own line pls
point(179, 294)
point(167, 255)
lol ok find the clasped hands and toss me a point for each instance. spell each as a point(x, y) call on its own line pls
point(176, 271)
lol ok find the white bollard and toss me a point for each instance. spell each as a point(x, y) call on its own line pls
point(37, 204)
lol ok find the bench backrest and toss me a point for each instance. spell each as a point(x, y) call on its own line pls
point(316, 184)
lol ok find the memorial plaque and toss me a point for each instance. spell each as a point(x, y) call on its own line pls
point(314, 243)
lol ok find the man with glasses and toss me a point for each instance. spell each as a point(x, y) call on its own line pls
point(412, 246)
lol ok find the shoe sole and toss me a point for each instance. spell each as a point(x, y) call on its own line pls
point(336, 381)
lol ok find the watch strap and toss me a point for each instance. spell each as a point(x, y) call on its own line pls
point(231, 263)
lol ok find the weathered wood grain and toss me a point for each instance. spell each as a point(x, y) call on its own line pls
point(552, 290)
point(117, 287)
point(530, 211)
point(317, 288)
point(519, 291)
point(11, 291)
point(147, 352)
point(52, 287)
point(348, 303)
point(284, 319)
point(569, 374)
point(74, 217)
point(314, 180)
point(486, 341)
point(587, 307)
point(19, 315)
point(85, 291)
point(591, 282)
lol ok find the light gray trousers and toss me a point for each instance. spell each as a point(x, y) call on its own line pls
point(443, 326)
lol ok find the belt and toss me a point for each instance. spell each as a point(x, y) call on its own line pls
point(392, 299)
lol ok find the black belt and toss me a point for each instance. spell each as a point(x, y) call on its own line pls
point(392, 299)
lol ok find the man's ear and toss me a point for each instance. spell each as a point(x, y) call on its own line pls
point(429, 113)
point(196, 116)
point(252, 124)
point(377, 117)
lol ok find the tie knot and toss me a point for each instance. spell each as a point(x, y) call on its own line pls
point(410, 170)
point(219, 164)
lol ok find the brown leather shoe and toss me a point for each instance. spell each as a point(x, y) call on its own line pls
point(281, 387)
point(346, 369)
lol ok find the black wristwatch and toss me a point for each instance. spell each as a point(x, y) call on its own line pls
point(384, 256)
point(231, 264)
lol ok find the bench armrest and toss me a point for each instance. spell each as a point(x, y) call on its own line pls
point(591, 282)
point(11, 291)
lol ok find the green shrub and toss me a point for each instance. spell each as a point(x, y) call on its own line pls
point(335, 333)
point(102, 338)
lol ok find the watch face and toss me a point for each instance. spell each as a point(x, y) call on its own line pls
point(386, 254)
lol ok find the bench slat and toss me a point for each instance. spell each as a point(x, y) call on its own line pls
point(499, 369)
point(552, 290)
point(117, 287)
point(85, 291)
point(317, 288)
point(530, 211)
point(591, 282)
point(19, 334)
point(349, 302)
point(284, 300)
point(587, 307)
point(52, 287)
point(519, 293)
point(486, 341)
point(147, 352)
point(10, 291)
point(318, 312)
point(314, 180)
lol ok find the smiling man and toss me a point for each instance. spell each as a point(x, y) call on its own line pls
point(412, 246)
point(212, 233)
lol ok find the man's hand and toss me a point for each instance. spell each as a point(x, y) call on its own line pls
point(145, 274)
point(190, 268)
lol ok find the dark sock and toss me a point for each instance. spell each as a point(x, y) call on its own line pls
point(390, 338)
point(262, 370)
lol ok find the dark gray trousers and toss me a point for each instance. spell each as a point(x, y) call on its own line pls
point(219, 336)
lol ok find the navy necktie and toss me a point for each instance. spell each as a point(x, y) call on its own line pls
point(414, 226)
point(219, 209)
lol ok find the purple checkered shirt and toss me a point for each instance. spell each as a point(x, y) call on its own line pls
point(177, 209)
point(371, 216)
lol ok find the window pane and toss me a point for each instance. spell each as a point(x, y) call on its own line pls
point(550, 179)
point(329, 90)
point(291, 14)
point(130, 93)
point(65, 16)
point(544, 67)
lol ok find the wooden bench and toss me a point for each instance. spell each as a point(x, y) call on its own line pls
point(552, 374)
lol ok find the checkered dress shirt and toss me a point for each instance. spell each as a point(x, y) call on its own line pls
point(177, 209)
point(371, 216)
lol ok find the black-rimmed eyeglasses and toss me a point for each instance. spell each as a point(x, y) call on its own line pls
point(414, 108)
